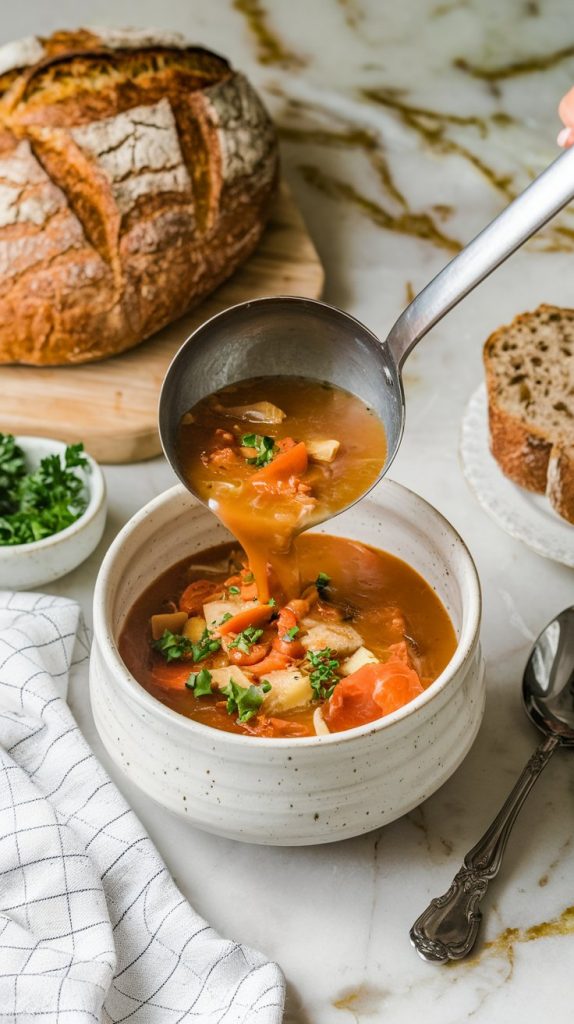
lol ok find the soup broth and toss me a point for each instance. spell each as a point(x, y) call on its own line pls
point(365, 635)
point(272, 456)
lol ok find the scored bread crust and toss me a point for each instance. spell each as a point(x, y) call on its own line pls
point(535, 458)
point(136, 174)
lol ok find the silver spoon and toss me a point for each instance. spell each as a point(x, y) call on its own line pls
point(448, 928)
point(297, 336)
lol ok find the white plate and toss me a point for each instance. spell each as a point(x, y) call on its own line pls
point(526, 516)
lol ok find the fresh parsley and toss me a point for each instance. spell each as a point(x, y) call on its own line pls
point(272, 602)
point(291, 634)
point(263, 446)
point(244, 641)
point(324, 676)
point(174, 646)
point(200, 683)
point(39, 504)
point(245, 700)
point(322, 581)
point(234, 590)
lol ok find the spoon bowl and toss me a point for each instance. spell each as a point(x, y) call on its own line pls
point(548, 682)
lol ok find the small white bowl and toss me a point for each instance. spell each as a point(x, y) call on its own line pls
point(26, 566)
point(288, 791)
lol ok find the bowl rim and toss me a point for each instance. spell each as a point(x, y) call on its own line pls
point(95, 485)
point(103, 634)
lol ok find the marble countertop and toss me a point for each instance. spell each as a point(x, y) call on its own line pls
point(405, 128)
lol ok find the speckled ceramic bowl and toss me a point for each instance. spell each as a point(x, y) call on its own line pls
point(289, 791)
point(26, 566)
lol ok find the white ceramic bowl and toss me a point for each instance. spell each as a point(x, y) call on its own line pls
point(25, 566)
point(288, 791)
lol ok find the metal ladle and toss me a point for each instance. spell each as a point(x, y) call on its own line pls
point(448, 928)
point(298, 336)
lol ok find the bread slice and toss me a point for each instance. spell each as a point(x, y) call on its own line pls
point(529, 368)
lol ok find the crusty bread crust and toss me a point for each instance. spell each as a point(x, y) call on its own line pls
point(535, 459)
point(521, 454)
point(560, 487)
point(136, 175)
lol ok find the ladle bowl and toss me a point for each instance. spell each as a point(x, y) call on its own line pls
point(300, 336)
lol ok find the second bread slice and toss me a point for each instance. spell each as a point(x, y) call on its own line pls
point(530, 381)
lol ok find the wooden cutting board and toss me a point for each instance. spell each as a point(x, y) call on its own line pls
point(112, 406)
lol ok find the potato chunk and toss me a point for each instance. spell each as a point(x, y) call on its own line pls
point(174, 621)
point(215, 611)
point(323, 451)
point(290, 688)
point(361, 657)
point(221, 677)
point(194, 628)
point(340, 638)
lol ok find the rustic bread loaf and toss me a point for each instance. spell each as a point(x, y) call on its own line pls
point(530, 381)
point(136, 173)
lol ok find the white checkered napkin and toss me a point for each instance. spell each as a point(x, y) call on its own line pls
point(92, 927)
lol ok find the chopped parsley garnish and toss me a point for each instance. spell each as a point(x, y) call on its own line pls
point(322, 581)
point(174, 646)
point(272, 602)
point(290, 634)
point(39, 504)
point(245, 700)
point(249, 578)
point(324, 676)
point(263, 446)
point(244, 641)
point(234, 590)
point(208, 644)
point(225, 618)
point(200, 683)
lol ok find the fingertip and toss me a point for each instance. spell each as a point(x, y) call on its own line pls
point(564, 137)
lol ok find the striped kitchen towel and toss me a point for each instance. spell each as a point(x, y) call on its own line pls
point(92, 927)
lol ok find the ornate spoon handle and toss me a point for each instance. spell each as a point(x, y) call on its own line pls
point(447, 929)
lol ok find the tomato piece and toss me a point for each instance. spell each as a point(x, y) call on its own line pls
point(396, 686)
point(196, 595)
point(370, 693)
point(256, 653)
point(290, 648)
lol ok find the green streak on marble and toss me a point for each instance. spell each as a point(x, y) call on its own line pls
point(419, 225)
point(525, 66)
point(271, 49)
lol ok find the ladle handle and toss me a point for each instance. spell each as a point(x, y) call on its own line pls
point(544, 198)
point(447, 929)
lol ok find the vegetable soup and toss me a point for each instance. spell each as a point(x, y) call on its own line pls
point(289, 634)
point(365, 635)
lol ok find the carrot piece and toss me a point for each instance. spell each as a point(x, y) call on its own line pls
point(289, 463)
point(256, 616)
point(287, 620)
point(171, 676)
point(272, 663)
point(195, 596)
point(261, 725)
